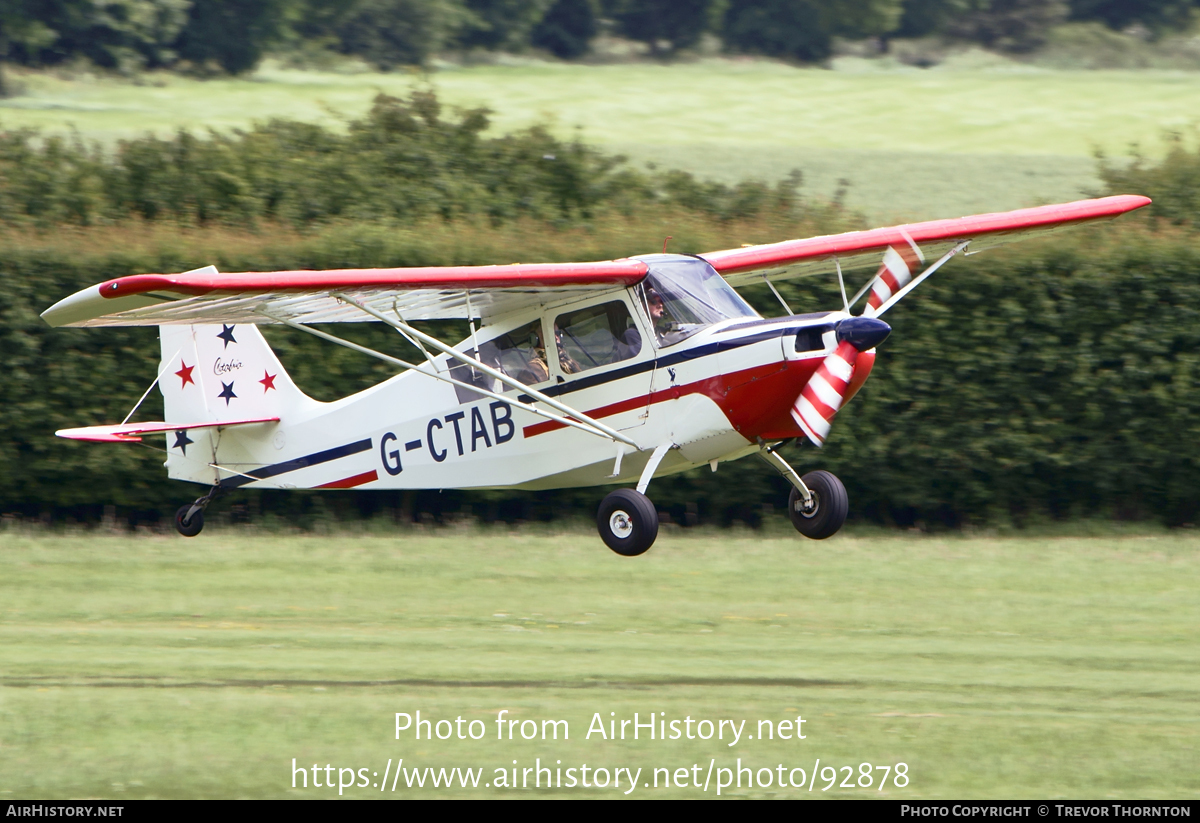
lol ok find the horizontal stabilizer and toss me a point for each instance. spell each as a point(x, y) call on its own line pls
point(132, 432)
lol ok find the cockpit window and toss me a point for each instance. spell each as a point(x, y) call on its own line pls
point(595, 336)
point(682, 295)
point(520, 354)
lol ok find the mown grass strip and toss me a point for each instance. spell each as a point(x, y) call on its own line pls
point(993, 667)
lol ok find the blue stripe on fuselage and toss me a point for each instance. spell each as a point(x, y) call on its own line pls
point(297, 463)
point(697, 352)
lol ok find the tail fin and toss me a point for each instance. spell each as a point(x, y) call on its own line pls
point(217, 373)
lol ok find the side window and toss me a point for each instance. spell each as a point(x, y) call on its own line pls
point(809, 339)
point(595, 336)
point(520, 354)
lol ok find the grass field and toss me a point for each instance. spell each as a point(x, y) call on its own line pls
point(992, 667)
point(912, 143)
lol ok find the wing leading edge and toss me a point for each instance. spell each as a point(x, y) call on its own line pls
point(793, 259)
point(429, 293)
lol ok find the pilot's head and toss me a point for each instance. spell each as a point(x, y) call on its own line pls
point(655, 302)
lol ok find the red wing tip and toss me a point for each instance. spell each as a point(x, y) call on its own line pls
point(1123, 202)
point(98, 437)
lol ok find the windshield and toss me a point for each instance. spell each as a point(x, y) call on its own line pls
point(682, 295)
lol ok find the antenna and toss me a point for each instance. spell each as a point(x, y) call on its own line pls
point(668, 240)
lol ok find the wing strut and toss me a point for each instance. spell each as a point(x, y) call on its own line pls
point(584, 423)
point(146, 393)
point(778, 296)
point(463, 357)
point(413, 340)
point(858, 293)
point(842, 285)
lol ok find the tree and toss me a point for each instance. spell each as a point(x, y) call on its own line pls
point(919, 18)
point(567, 28)
point(865, 18)
point(804, 29)
point(232, 33)
point(1010, 25)
point(801, 29)
point(21, 33)
point(1118, 14)
point(391, 33)
point(502, 24)
point(678, 23)
point(122, 34)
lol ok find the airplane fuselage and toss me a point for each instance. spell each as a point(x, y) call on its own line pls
point(713, 396)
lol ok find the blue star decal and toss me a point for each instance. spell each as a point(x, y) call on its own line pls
point(226, 335)
point(227, 392)
point(182, 441)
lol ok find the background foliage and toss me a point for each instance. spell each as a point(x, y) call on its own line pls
point(403, 161)
point(232, 35)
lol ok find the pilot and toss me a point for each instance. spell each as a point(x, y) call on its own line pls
point(664, 324)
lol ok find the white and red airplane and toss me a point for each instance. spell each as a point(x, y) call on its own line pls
point(579, 374)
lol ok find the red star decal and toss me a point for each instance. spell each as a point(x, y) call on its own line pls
point(268, 381)
point(185, 374)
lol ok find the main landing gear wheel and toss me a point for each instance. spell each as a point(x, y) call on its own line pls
point(628, 522)
point(828, 510)
point(189, 527)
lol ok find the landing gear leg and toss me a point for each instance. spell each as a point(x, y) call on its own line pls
point(627, 520)
point(817, 504)
point(189, 519)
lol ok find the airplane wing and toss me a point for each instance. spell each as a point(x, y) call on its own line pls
point(793, 259)
point(430, 293)
point(458, 292)
point(132, 432)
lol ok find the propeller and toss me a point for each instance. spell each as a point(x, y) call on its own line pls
point(899, 266)
point(825, 391)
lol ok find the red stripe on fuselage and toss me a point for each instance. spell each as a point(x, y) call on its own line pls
point(351, 482)
point(757, 401)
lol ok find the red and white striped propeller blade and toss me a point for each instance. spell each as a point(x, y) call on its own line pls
point(825, 392)
point(899, 266)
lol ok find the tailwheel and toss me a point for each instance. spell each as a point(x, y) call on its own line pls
point(628, 522)
point(824, 516)
point(189, 526)
point(189, 520)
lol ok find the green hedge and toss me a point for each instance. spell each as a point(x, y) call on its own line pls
point(1055, 378)
point(406, 160)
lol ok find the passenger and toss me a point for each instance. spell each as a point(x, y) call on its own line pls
point(535, 370)
point(629, 343)
point(566, 362)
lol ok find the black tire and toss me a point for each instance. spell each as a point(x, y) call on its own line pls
point(192, 527)
point(830, 506)
point(628, 522)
